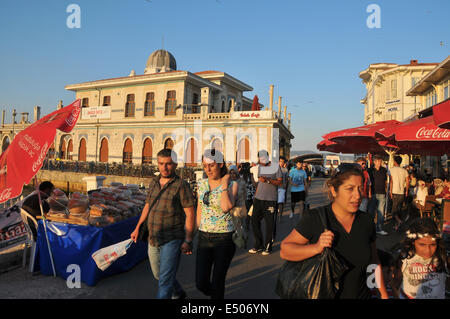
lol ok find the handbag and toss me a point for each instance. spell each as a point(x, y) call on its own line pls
point(318, 277)
point(239, 236)
point(143, 228)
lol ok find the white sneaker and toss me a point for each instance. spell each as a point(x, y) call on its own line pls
point(265, 253)
point(382, 232)
point(291, 215)
point(254, 251)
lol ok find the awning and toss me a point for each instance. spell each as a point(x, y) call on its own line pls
point(441, 114)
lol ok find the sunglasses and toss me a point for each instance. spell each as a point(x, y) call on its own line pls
point(347, 167)
point(206, 198)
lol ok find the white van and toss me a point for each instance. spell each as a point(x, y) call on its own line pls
point(329, 160)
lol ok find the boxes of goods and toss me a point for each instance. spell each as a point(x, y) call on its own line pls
point(78, 204)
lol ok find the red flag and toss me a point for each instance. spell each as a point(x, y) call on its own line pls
point(24, 157)
point(255, 104)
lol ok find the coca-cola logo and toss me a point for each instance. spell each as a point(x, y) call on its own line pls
point(40, 159)
point(73, 116)
point(434, 133)
point(5, 194)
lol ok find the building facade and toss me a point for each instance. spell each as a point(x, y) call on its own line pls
point(129, 119)
point(387, 85)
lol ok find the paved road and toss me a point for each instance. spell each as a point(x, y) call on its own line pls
point(249, 276)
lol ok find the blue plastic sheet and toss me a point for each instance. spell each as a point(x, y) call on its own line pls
point(75, 244)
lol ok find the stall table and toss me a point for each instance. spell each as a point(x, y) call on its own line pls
point(75, 244)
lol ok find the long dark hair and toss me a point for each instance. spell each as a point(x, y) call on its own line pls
point(217, 157)
point(424, 226)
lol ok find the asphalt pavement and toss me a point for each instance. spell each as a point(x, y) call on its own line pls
point(249, 276)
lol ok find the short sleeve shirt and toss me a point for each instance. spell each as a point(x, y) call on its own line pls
point(298, 176)
point(166, 219)
point(399, 176)
point(266, 191)
point(213, 220)
point(378, 178)
point(420, 279)
point(355, 247)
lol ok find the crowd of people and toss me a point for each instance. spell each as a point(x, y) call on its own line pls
point(227, 198)
point(235, 199)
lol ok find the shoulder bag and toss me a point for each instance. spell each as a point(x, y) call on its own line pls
point(318, 277)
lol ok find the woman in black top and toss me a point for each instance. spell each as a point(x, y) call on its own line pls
point(351, 234)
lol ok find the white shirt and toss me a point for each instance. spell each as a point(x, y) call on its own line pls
point(420, 279)
point(254, 171)
point(398, 176)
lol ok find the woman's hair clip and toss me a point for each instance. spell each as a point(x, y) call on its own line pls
point(421, 235)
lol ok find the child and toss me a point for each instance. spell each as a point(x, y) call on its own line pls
point(422, 268)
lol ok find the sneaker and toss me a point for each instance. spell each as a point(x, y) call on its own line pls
point(291, 215)
point(265, 252)
point(382, 233)
point(254, 251)
point(182, 295)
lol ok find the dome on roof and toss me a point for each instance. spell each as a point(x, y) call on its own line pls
point(160, 61)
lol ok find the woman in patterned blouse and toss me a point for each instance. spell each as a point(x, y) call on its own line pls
point(215, 247)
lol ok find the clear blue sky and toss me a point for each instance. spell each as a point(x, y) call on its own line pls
point(312, 51)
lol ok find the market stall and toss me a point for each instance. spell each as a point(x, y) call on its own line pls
point(82, 224)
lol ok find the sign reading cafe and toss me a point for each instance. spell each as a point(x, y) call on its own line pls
point(96, 112)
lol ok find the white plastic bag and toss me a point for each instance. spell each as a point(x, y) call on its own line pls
point(104, 257)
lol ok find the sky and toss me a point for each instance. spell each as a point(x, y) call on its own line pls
point(311, 51)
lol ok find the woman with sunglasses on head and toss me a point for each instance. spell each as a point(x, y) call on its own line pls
point(215, 248)
point(351, 234)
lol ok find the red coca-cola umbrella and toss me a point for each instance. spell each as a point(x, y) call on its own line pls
point(255, 104)
point(361, 139)
point(441, 114)
point(421, 136)
point(333, 147)
point(23, 158)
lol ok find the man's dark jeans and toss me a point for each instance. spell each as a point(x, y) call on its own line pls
point(214, 254)
point(397, 203)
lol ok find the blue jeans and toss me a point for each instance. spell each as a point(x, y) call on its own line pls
point(164, 261)
point(378, 204)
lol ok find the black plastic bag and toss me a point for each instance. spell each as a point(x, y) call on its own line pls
point(318, 277)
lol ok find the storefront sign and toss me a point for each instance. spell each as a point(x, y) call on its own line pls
point(251, 115)
point(96, 112)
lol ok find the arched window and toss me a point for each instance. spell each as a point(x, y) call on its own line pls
point(104, 150)
point(190, 155)
point(5, 143)
point(129, 106)
point(128, 152)
point(147, 150)
point(168, 143)
point(171, 102)
point(222, 110)
point(82, 151)
point(243, 153)
point(69, 149)
point(62, 149)
point(229, 105)
point(217, 144)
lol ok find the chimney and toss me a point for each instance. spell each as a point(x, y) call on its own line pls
point(3, 117)
point(284, 115)
point(14, 113)
point(413, 62)
point(279, 106)
point(37, 113)
point(24, 119)
point(271, 97)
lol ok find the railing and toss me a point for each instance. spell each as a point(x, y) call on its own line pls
point(218, 116)
point(195, 116)
point(143, 171)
